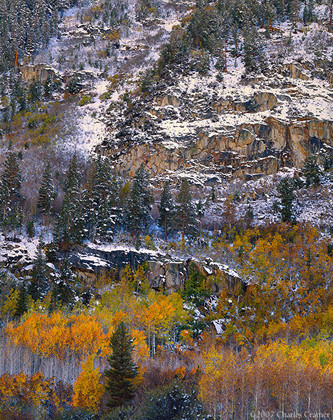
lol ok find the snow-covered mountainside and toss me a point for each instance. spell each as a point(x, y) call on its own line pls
point(204, 122)
point(208, 114)
point(166, 209)
point(192, 119)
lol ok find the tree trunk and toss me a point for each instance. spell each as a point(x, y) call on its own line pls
point(225, 58)
point(154, 343)
point(165, 229)
point(16, 57)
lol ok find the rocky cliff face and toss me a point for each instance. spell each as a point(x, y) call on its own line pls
point(38, 72)
point(163, 272)
point(243, 125)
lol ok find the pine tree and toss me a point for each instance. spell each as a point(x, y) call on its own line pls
point(21, 303)
point(10, 197)
point(63, 293)
point(294, 11)
point(48, 86)
point(101, 200)
point(39, 284)
point(166, 209)
point(253, 51)
point(138, 203)
point(35, 91)
point(46, 193)
point(68, 228)
point(185, 211)
point(286, 195)
point(122, 370)
point(311, 171)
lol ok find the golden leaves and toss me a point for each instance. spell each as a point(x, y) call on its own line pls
point(88, 389)
point(57, 335)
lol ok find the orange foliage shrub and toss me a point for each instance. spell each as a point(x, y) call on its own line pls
point(88, 389)
point(56, 335)
point(26, 391)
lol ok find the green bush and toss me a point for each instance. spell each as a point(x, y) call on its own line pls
point(86, 99)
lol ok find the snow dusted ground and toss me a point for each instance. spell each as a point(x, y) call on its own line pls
point(23, 250)
point(312, 205)
point(139, 49)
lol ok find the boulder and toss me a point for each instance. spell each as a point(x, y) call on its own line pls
point(265, 101)
point(41, 72)
point(168, 100)
point(294, 71)
point(174, 276)
point(156, 274)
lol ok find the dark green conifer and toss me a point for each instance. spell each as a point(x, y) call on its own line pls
point(138, 203)
point(21, 303)
point(46, 193)
point(39, 285)
point(285, 189)
point(10, 197)
point(311, 171)
point(68, 228)
point(122, 369)
point(101, 200)
point(185, 219)
point(65, 293)
point(253, 50)
point(166, 209)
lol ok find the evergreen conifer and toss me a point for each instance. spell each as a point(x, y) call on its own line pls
point(166, 209)
point(286, 195)
point(10, 197)
point(185, 210)
point(101, 200)
point(122, 370)
point(46, 193)
point(21, 303)
point(138, 203)
point(39, 285)
point(311, 171)
point(68, 228)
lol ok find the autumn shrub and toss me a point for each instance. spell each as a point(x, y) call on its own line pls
point(84, 100)
point(21, 395)
point(58, 335)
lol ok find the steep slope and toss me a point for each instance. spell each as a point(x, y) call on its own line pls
point(236, 122)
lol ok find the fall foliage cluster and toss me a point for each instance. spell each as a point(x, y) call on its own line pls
point(274, 351)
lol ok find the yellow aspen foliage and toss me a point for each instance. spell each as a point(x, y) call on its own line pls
point(217, 383)
point(10, 385)
point(35, 390)
point(186, 338)
point(141, 350)
point(9, 306)
point(163, 313)
point(317, 354)
point(118, 317)
point(57, 335)
point(88, 389)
